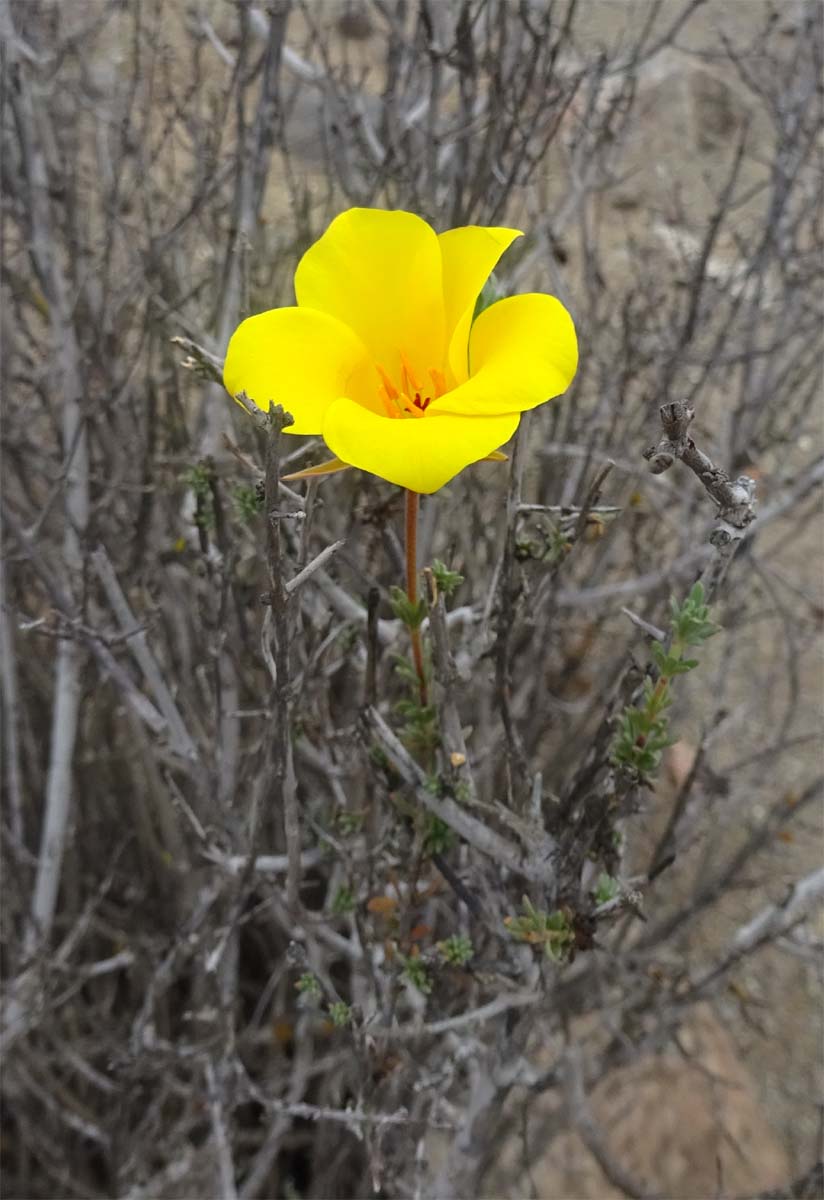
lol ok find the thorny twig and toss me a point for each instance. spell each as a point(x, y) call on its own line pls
point(283, 774)
point(735, 500)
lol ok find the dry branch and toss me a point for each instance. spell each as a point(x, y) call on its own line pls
point(244, 957)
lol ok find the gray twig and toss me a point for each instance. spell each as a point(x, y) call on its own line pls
point(735, 500)
point(490, 843)
point(138, 644)
point(284, 786)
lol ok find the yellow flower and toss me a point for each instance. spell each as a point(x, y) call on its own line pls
point(381, 356)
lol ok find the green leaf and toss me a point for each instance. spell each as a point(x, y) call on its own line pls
point(340, 1013)
point(308, 985)
point(410, 614)
point(456, 950)
point(680, 666)
point(344, 901)
point(248, 502)
point(438, 837)
point(414, 969)
point(606, 888)
point(447, 581)
point(690, 625)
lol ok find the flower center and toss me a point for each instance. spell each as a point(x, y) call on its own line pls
point(412, 398)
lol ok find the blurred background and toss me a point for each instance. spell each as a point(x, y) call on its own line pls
point(202, 1000)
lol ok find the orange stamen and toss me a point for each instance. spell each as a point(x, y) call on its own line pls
point(410, 383)
point(391, 390)
point(439, 380)
point(391, 409)
point(397, 403)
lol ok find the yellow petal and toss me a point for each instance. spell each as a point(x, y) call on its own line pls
point(420, 455)
point(469, 258)
point(296, 357)
point(522, 351)
point(325, 468)
point(380, 273)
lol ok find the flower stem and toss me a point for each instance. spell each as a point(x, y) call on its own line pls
point(412, 587)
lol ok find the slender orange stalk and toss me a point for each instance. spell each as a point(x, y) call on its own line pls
point(412, 586)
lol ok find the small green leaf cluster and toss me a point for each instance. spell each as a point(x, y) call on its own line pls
point(461, 791)
point(438, 785)
point(448, 581)
point(405, 670)
point(643, 731)
point(309, 985)
point(199, 478)
point(419, 731)
point(415, 971)
point(411, 614)
point(248, 502)
point(690, 623)
point(343, 901)
point(558, 546)
point(340, 1013)
point(669, 663)
point(606, 888)
point(554, 546)
point(456, 949)
point(438, 837)
point(551, 930)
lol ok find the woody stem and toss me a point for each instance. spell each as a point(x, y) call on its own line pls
point(412, 586)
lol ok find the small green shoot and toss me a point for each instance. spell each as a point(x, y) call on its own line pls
point(550, 930)
point(438, 837)
point(448, 581)
point(414, 970)
point(606, 889)
point(419, 731)
point(456, 950)
point(309, 985)
point(200, 478)
point(340, 1013)
point(343, 902)
point(410, 614)
point(248, 502)
point(643, 730)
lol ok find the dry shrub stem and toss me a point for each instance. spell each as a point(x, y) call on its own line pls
point(281, 771)
point(411, 506)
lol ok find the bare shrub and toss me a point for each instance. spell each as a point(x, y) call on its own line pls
point(270, 926)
